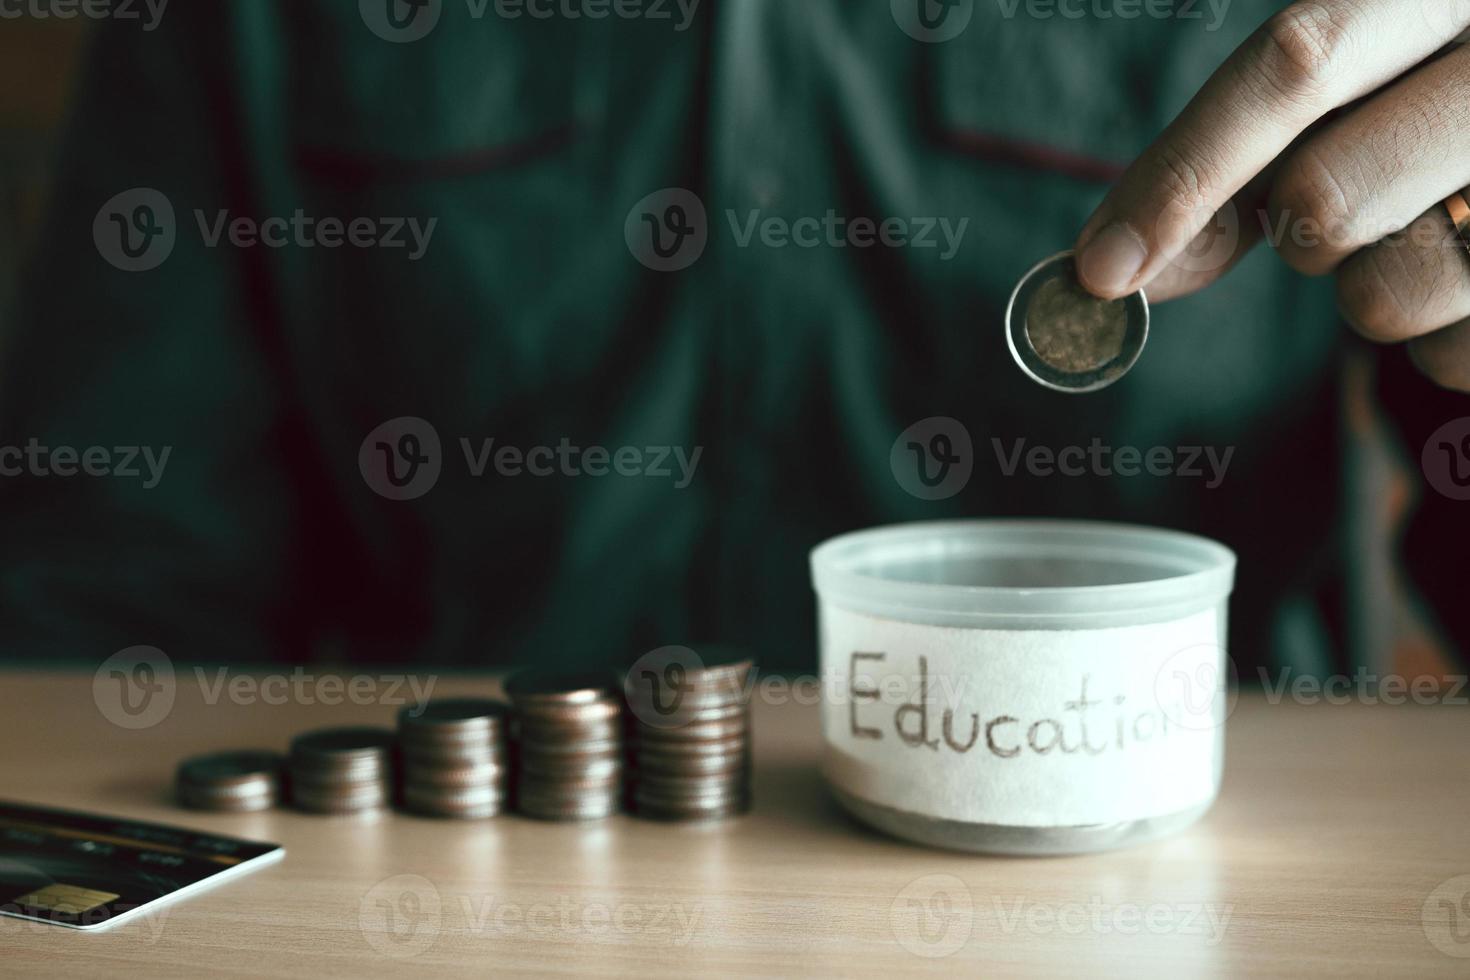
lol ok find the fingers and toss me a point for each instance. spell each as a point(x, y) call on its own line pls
point(1409, 285)
point(1368, 174)
point(1226, 240)
point(1214, 252)
point(1445, 356)
point(1416, 287)
point(1314, 56)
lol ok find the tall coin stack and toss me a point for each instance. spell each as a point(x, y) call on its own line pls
point(342, 770)
point(455, 757)
point(690, 734)
point(570, 743)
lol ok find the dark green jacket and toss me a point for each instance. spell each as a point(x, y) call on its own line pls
point(530, 319)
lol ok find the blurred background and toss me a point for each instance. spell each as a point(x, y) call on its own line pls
point(38, 67)
point(1373, 620)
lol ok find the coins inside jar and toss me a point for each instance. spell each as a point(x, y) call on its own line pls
point(1066, 339)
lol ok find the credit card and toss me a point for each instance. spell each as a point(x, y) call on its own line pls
point(87, 871)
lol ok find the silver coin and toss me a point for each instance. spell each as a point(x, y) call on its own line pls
point(234, 801)
point(655, 810)
point(328, 778)
point(334, 746)
point(482, 811)
point(453, 720)
point(452, 776)
point(537, 784)
point(716, 794)
point(477, 812)
point(553, 753)
point(529, 794)
point(424, 791)
point(1065, 338)
point(604, 728)
point(434, 798)
point(229, 792)
point(692, 801)
point(450, 748)
point(606, 767)
point(711, 731)
point(340, 803)
point(718, 674)
point(693, 784)
point(220, 769)
point(680, 713)
point(735, 745)
point(373, 788)
point(416, 757)
point(690, 765)
point(579, 810)
point(537, 689)
point(569, 788)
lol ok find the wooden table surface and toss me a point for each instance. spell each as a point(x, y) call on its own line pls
point(1337, 847)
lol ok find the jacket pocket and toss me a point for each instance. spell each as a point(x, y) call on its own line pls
point(410, 89)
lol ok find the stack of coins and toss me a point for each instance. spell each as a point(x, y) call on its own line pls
point(455, 758)
point(230, 781)
point(570, 743)
point(342, 770)
point(690, 734)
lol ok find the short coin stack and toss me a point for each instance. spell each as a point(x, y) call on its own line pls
point(571, 744)
point(455, 757)
point(230, 781)
point(690, 734)
point(342, 770)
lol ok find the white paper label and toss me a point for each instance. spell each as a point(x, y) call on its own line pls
point(1029, 728)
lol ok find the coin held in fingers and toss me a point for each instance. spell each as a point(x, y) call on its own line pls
point(1065, 338)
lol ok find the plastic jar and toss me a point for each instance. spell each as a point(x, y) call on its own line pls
point(1023, 687)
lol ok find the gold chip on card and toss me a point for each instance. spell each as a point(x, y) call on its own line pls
point(67, 899)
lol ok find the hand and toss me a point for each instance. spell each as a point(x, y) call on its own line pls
point(1265, 137)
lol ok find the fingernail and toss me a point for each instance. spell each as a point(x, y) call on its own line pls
point(1112, 260)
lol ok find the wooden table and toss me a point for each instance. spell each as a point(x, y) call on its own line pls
point(1338, 839)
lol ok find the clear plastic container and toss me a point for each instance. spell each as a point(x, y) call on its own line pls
point(1006, 617)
